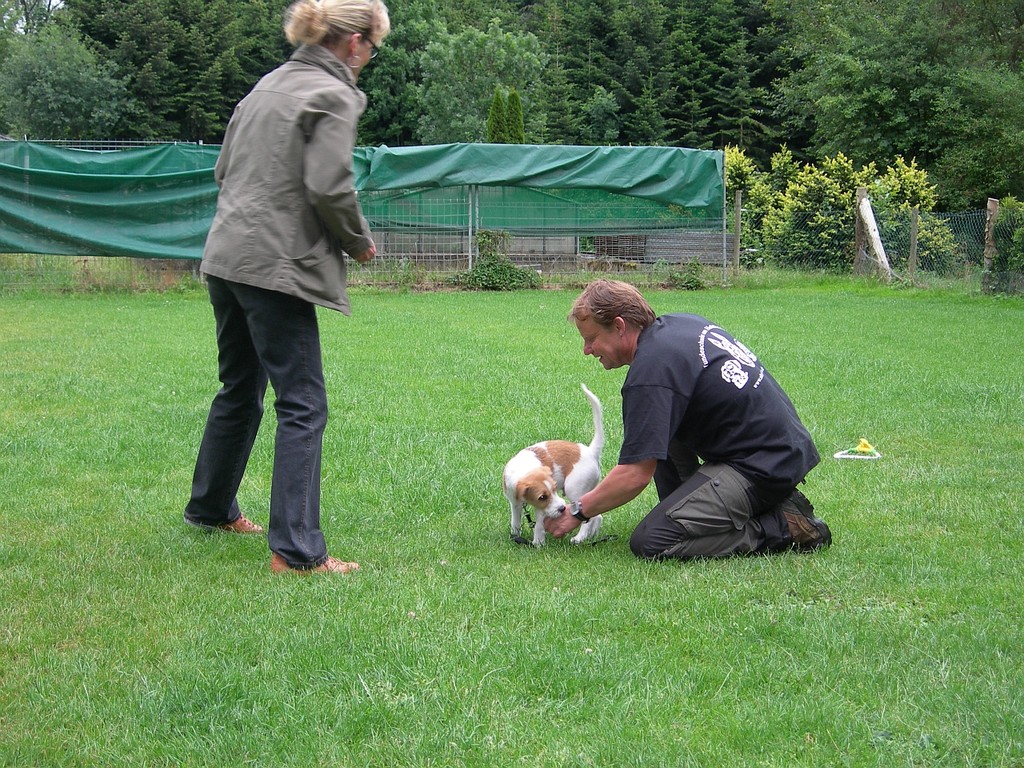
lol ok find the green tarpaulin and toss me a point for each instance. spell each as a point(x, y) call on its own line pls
point(146, 202)
point(158, 202)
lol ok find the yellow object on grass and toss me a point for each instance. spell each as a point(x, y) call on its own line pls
point(864, 450)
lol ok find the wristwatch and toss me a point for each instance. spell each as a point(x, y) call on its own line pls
point(576, 508)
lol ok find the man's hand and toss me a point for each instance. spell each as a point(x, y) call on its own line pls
point(561, 525)
point(623, 483)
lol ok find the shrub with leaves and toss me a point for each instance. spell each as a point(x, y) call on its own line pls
point(769, 189)
point(740, 171)
point(1008, 265)
point(902, 187)
point(814, 225)
point(762, 193)
point(494, 270)
point(689, 277)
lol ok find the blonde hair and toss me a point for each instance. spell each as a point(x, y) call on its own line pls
point(604, 300)
point(317, 22)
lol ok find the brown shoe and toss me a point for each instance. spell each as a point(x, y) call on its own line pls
point(330, 565)
point(809, 532)
point(240, 525)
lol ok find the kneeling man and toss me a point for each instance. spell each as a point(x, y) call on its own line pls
point(705, 420)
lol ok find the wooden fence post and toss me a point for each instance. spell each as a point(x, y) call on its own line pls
point(860, 253)
point(737, 223)
point(991, 212)
point(915, 222)
point(868, 229)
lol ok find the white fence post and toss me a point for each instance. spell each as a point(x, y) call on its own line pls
point(867, 229)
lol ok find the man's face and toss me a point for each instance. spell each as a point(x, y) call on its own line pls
point(609, 344)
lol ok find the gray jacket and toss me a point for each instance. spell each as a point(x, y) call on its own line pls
point(287, 210)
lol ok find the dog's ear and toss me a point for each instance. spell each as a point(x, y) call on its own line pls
point(533, 491)
point(524, 489)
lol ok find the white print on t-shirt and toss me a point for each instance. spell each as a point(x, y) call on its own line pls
point(734, 348)
point(733, 369)
point(733, 372)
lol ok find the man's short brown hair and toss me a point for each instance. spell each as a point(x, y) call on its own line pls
point(604, 300)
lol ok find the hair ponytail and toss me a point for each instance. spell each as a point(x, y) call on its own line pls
point(313, 22)
point(306, 22)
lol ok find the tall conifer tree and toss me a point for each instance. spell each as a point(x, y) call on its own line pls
point(515, 132)
point(497, 118)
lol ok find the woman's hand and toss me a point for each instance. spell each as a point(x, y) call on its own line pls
point(366, 255)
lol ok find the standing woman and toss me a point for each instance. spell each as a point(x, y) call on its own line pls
point(287, 216)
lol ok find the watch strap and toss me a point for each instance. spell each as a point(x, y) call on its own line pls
point(577, 511)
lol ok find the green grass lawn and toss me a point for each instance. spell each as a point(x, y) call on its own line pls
point(129, 639)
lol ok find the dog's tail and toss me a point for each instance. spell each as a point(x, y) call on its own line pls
point(597, 444)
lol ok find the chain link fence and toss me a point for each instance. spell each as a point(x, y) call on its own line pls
point(950, 246)
point(561, 237)
point(947, 244)
point(917, 246)
point(34, 272)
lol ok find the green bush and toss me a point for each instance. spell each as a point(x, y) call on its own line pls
point(937, 247)
point(1008, 264)
point(740, 172)
point(805, 216)
point(689, 277)
point(494, 270)
point(814, 225)
point(762, 194)
point(901, 188)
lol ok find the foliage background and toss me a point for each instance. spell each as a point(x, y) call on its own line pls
point(937, 82)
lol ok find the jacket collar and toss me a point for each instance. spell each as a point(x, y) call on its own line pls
point(318, 56)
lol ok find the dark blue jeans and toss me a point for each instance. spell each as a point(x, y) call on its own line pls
point(265, 335)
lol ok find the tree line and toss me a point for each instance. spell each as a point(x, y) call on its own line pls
point(937, 82)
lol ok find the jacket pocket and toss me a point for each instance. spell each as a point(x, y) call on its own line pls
point(317, 275)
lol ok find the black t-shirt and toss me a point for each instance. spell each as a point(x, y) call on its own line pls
point(692, 382)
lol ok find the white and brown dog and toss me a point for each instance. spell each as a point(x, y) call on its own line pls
point(535, 475)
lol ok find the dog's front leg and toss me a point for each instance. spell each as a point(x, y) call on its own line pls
point(588, 530)
point(538, 529)
point(517, 518)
